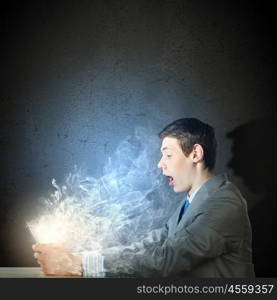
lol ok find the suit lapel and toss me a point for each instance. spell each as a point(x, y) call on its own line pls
point(199, 199)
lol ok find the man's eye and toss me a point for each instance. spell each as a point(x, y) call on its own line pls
point(168, 155)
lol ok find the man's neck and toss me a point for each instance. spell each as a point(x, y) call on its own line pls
point(200, 179)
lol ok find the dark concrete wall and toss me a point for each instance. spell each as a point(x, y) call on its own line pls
point(79, 76)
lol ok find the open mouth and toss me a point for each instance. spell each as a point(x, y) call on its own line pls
point(171, 180)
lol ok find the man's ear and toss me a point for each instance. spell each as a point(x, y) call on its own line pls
point(197, 153)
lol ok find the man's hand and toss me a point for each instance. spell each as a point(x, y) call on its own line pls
point(55, 259)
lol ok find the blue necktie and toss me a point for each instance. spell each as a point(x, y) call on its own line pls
point(183, 210)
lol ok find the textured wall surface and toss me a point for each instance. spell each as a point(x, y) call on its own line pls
point(78, 76)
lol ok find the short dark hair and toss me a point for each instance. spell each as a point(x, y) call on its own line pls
point(191, 131)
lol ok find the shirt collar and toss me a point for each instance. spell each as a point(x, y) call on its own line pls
point(190, 197)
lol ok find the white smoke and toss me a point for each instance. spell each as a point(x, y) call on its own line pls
point(119, 208)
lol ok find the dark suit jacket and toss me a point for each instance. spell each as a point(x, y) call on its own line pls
point(213, 239)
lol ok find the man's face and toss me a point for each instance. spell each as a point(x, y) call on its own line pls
point(176, 165)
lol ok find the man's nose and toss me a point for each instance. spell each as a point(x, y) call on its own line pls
point(161, 164)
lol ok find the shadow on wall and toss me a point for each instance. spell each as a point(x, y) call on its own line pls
point(254, 160)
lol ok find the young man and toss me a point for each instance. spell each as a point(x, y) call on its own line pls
point(209, 235)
